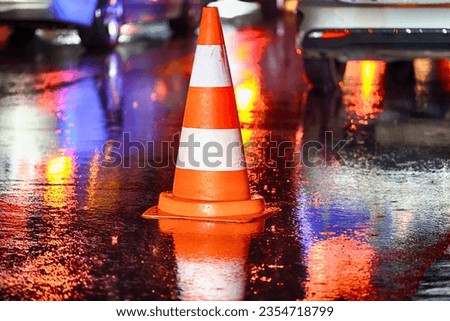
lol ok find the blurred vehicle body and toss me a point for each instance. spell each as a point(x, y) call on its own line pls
point(98, 21)
point(331, 32)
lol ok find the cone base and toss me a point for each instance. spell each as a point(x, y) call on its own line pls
point(214, 230)
point(173, 207)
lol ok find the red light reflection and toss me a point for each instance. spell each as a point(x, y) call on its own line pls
point(5, 32)
point(339, 268)
point(444, 74)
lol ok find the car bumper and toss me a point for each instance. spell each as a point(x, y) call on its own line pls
point(380, 44)
point(372, 31)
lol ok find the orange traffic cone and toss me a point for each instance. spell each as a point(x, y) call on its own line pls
point(211, 179)
point(211, 257)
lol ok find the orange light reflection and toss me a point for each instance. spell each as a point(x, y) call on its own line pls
point(59, 170)
point(60, 191)
point(339, 268)
point(246, 49)
point(364, 91)
point(245, 57)
point(104, 184)
point(423, 70)
point(246, 95)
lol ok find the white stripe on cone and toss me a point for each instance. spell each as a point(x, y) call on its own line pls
point(210, 67)
point(211, 150)
point(213, 279)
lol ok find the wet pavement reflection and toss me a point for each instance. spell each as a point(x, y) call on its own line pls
point(88, 142)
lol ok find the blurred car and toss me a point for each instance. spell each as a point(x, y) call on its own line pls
point(233, 8)
point(269, 7)
point(332, 32)
point(98, 21)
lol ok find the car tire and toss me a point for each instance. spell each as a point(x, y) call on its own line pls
point(400, 72)
point(324, 74)
point(189, 19)
point(21, 36)
point(269, 8)
point(105, 31)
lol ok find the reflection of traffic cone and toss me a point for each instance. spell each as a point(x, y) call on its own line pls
point(211, 177)
point(211, 257)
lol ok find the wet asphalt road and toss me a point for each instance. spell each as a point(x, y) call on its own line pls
point(364, 224)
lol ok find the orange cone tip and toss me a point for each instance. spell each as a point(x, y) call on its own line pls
point(211, 181)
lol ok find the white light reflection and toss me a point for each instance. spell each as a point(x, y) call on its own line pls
point(26, 139)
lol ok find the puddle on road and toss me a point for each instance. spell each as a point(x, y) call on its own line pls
point(361, 228)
